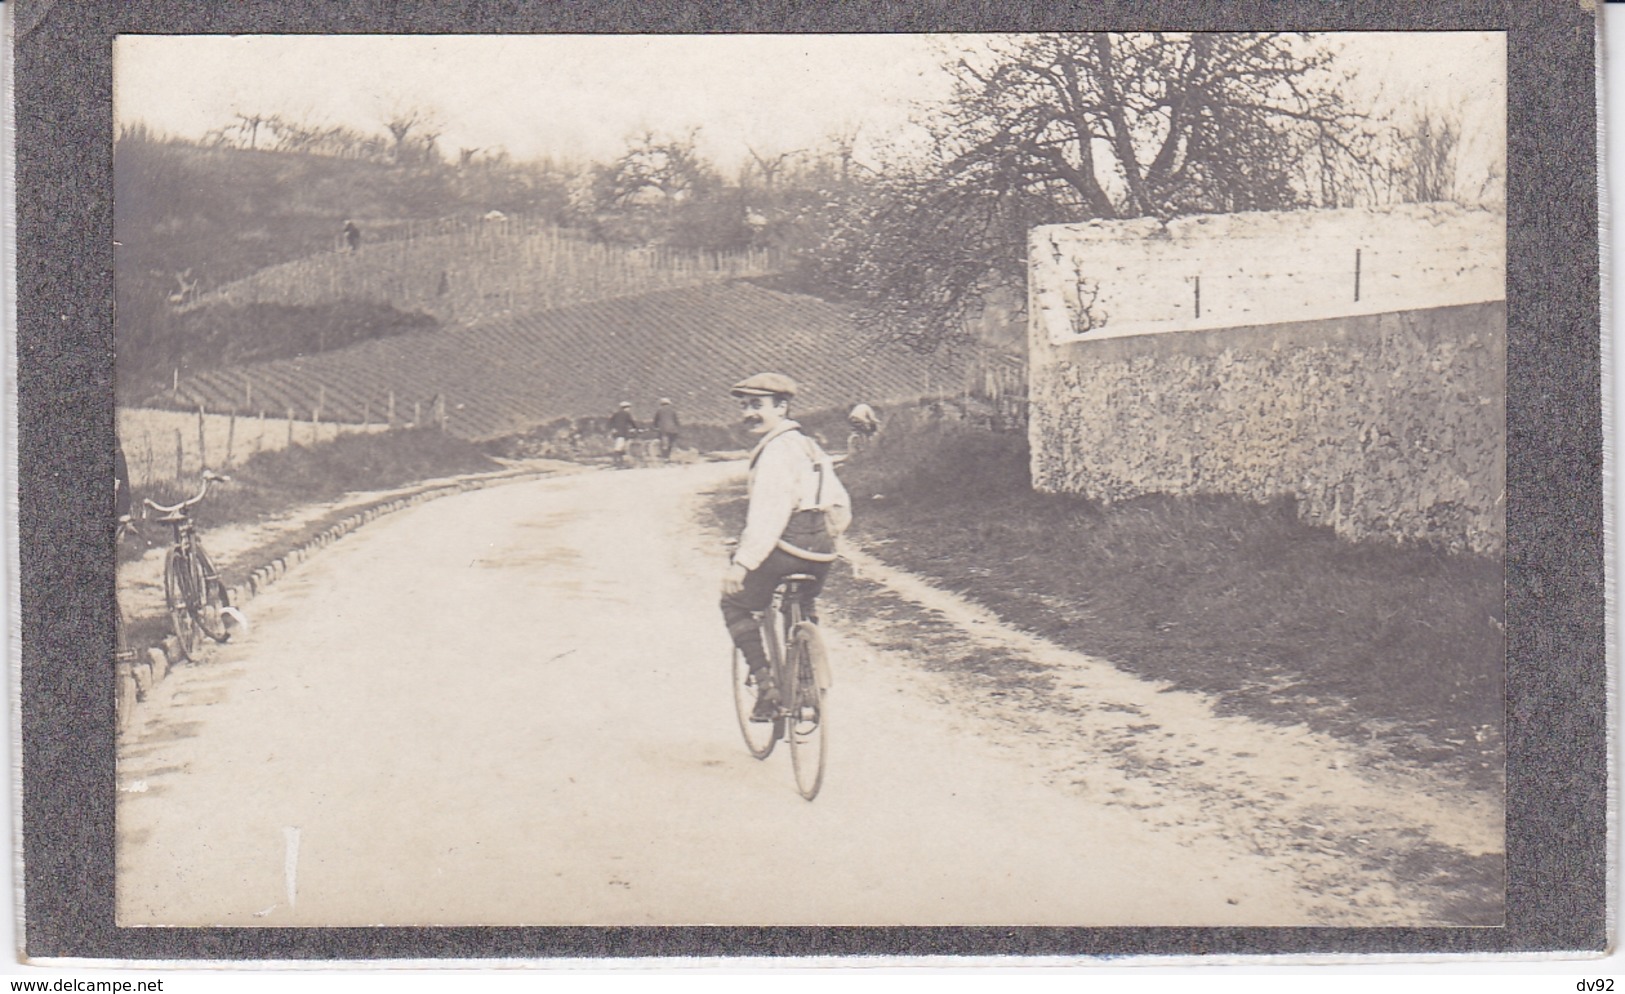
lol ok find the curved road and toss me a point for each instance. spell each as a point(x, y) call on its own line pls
point(512, 707)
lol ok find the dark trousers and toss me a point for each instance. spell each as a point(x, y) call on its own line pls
point(738, 610)
point(667, 440)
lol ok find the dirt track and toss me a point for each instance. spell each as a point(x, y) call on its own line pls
point(511, 707)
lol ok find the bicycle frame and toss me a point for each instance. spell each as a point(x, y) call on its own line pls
point(799, 671)
point(779, 623)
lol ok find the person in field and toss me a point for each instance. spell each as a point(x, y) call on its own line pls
point(667, 426)
point(352, 236)
point(797, 508)
point(622, 428)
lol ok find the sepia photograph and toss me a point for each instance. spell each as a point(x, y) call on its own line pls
point(1002, 479)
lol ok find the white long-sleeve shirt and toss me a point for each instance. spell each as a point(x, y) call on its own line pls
point(783, 480)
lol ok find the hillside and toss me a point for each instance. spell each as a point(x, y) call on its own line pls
point(227, 255)
point(467, 271)
point(500, 378)
point(210, 216)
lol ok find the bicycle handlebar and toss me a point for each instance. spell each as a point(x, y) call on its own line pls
point(208, 477)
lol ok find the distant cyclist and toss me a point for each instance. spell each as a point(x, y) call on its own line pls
point(797, 506)
point(668, 426)
point(623, 427)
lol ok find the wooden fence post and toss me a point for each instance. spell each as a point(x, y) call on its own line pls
point(180, 456)
point(290, 427)
point(392, 410)
point(202, 439)
point(231, 434)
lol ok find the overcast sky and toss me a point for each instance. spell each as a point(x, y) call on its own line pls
point(581, 96)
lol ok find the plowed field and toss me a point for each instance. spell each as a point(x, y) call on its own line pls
point(499, 378)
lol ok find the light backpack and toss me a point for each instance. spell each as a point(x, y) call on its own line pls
point(812, 531)
point(832, 497)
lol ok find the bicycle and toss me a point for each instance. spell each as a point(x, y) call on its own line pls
point(194, 595)
point(800, 668)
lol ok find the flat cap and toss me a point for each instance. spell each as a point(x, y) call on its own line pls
point(765, 385)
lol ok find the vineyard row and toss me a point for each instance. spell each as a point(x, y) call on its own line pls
point(507, 376)
point(494, 269)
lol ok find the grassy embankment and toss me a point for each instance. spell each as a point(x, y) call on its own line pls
point(274, 483)
point(1278, 620)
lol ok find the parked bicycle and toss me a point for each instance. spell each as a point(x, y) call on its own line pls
point(194, 595)
point(800, 668)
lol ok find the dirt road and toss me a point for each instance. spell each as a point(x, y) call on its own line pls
point(512, 707)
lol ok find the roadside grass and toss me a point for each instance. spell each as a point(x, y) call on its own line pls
point(273, 483)
point(1278, 620)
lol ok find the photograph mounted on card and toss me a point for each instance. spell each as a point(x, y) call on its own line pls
point(1164, 385)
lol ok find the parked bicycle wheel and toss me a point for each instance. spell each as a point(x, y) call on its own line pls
point(759, 736)
point(212, 596)
point(181, 581)
point(808, 670)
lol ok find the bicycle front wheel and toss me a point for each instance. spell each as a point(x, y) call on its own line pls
point(809, 709)
point(212, 596)
point(180, 593)
point(760, 736)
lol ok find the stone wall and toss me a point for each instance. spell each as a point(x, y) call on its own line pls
point(1386, 425)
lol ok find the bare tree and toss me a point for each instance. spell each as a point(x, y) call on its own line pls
point(1068, 127)
point(408, 147)
point(770, 166)
point(661, 168)
point(843, 142)
point(249, 125)
point(1433, 141)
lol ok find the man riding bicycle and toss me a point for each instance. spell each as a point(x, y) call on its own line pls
point(796, 507)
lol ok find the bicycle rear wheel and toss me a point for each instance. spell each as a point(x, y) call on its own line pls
point(212, 596)
point(809, 712)
point(180, 593)
point(759, 736)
